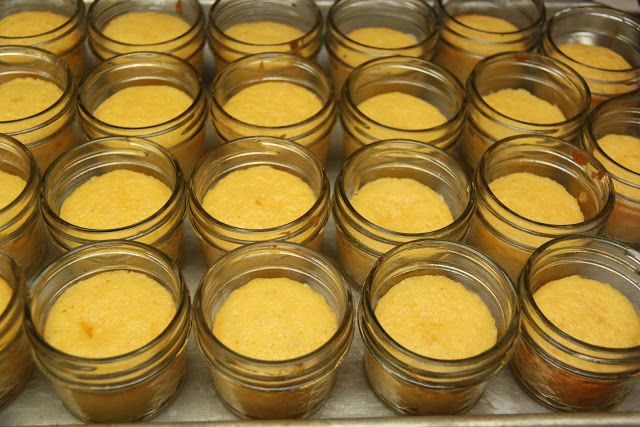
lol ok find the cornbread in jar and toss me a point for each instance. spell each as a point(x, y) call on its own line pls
point(278, 95)
point(240, 28)
point(274, 322)
point(580, 330)
point(124, 26)
point(109, 323)
point(57, 27)
point(361, 30)
point(438, 319)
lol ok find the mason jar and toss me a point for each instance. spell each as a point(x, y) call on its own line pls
point(22, 232)
point(408, 382)
point(509, 238)
point(414, 18)
point(129, 387)
point(360, 242)
point(253, 388)
point(462, 46)
point(597, 26)
point(302, 15)
point(411, 76)
point(619, 116)
point(163, 230)
point(217, 237)
point(186, 46)
point(15, 351)
point(557, 369)
point(313, 132)
point(51, 131)
point(65, 40)
point(183, 135)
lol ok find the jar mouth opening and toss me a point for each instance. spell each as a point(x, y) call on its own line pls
point(501, 344)
point(199, 21)
point(75, 16)
point(33, 172)
point(527, 295)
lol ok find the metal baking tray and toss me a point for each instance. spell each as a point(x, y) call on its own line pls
point(351, 402)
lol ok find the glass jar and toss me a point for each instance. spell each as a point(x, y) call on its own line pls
point(15, 351)
point(163, 230)
point(187, 46)
point(546, 78)
point(411, 76)
point(560, 371)
point(598, 26)
point(183, 136)
point(416, 18)
point(300, 14)
point(313, 132)
point(22, 232)
point(462, 46)
point(618, 116)
point(65, 41)
point(218, 238)
point(509, 238)
point(283, 388)
point(410, 383)
point(129, 387)
point(52, 131)
point(360, 242)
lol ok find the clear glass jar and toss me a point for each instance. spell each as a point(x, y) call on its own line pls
point(273, 389)
point(410, 383)
point(546, 78)
point(218, 238)
point(15, 351)
point(411, 76)
point(52, 131)
point(599, 26)
point(462, 46)
point(187, 46)
point(65, 41)
point(618, 116)
point(508, 238)
point(313, 132)
point(22, 231)
point(183, 136)
point(415, 18)
point(301, 14)
point(558, 370)
point(130, 387)
point(163, 230)
point(360, 242)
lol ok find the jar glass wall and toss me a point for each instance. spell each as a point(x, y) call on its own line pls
point(557, 369)
point(163, 230)
point(360, 242)
point(509, 238)
point(273, 389)
point(408, 382)
point(123, 388)
point(217, 237)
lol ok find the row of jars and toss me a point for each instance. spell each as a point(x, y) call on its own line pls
point(561, 371)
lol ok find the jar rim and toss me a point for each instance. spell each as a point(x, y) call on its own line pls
point(501, 343)
point(598, 9)
point(198, 22)
point(527, 295)
point(71, 155)
point(76, 15)
point(32, 184)
point(415, 64)
point(545, 145)
point(270, 56)
point(214, 156)
point(16, 286)
point(319, 258)
point(317, 25)
point(539, 60)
